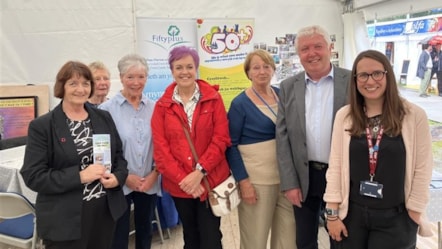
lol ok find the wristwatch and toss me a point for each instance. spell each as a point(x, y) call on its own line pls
point(201, 169)
point(331, 212)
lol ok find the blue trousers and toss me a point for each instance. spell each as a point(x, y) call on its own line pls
point(144, 211)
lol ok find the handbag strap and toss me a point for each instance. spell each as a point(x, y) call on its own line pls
point(195, 155)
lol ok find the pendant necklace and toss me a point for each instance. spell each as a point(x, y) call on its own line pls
point(374, 123)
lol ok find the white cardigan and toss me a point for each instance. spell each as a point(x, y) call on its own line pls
point(419, 163)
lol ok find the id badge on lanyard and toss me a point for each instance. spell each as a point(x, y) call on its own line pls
point(372, 188)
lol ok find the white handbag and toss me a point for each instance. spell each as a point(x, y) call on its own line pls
point(224, 197)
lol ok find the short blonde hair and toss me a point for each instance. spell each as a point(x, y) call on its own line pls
point(263, 54)
point(98, 65)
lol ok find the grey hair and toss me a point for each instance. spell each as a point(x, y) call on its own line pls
point(312, 30)
point(132, 60)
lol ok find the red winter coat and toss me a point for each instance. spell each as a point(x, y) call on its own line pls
point(209, 132)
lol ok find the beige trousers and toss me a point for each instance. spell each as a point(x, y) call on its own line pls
point(273, 214)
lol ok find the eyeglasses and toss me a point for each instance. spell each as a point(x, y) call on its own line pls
point(376, 75)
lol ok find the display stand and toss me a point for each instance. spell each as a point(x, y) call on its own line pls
point(404, 72)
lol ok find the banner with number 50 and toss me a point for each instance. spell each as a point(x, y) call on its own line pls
point(222, 46)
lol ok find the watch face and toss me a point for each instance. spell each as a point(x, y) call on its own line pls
point(200, 168)
point(332, 212)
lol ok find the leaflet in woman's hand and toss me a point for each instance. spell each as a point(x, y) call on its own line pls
point(102, 150)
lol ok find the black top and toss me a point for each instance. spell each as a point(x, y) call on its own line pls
point(390, 171)
point(82, 134)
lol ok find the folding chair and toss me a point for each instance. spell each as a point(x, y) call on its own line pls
point(17, 221)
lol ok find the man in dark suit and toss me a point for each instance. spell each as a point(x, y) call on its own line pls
point(424, 67)
point(308, 104)
point(436, 56)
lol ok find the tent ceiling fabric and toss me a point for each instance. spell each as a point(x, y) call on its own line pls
point(388, 8)
point(358, 4)
point(39, 36)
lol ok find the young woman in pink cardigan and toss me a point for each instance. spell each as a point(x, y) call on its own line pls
point(380, 163)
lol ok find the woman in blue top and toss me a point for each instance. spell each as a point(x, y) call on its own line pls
point(252, 158)
point(132, 112)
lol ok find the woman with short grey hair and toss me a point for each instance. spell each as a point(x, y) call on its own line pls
point(132, 112)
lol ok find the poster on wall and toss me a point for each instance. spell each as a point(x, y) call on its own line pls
point(15, 115)
point(222, 46)
point(155, 38)
point(389, 51)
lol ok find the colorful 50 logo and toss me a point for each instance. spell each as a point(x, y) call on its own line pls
point(225, 40)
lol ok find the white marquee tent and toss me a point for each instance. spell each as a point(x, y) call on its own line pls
point(38, 36)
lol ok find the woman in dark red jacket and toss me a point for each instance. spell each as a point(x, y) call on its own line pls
point(198, 106)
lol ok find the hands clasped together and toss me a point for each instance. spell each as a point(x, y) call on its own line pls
point(141, 184)
point(191, 184)
point(98, 172)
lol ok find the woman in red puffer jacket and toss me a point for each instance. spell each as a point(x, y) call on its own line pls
point(197, 106)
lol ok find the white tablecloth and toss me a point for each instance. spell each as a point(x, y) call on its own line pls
point(434, 211)
point(11, 180)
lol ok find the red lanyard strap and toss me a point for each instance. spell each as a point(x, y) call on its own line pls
point(373, 151)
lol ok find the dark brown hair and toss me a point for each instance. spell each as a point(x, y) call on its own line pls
point(69, 70)
point(393, 109)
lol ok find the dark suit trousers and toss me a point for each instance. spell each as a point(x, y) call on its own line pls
point(307, 217)
point(439, 82)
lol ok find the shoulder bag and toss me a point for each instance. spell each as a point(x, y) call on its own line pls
point(224, 197)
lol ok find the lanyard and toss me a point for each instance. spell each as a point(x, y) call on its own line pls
point(373, 150)
point(259, 96)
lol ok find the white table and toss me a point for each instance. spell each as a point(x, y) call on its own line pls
point(11, 161)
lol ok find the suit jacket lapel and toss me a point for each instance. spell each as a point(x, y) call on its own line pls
point(62, 133)
point(340, 90)
point(299, 87)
